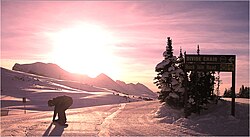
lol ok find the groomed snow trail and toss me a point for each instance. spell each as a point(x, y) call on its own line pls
point(105, 126)
point(130, 119)
point(125, 119)
point(138, 119)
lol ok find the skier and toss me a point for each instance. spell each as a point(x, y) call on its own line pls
point(61, 103)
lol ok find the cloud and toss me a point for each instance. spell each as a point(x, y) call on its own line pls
point(141, 27)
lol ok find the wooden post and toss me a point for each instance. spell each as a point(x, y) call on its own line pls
point(233, 89)
point(233, 94)
point(24, 101)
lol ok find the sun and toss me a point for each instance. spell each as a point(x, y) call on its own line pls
point(86, 49)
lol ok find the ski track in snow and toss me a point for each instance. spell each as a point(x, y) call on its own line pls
point(104, 131)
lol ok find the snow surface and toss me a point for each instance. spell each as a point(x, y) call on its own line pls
point(216, 121)
point(162, 64)
point(98, 111)
point(38, 90)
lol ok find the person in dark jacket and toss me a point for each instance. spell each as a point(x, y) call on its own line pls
point(61, 103)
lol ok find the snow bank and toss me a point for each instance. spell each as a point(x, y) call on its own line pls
point(216, 121)
point(168, 115)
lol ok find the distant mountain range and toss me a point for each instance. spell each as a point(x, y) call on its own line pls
point(102, 80)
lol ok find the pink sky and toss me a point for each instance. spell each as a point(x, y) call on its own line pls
point(140, 26)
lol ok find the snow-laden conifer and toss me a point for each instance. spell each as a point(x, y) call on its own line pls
point(170, 78)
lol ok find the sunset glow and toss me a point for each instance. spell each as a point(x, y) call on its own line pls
point(123, 39)
point(84, 48)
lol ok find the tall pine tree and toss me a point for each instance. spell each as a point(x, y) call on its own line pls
point(169, 78)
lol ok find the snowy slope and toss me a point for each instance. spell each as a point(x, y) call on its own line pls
point(102, 80)
point(136, 89)
point(38, 90)
point(49, 70)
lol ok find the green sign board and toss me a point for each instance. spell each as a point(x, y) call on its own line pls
point(210, 58)
point(210, 63)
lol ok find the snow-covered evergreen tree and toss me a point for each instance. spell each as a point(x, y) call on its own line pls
point(200, 89)
point(170, 78)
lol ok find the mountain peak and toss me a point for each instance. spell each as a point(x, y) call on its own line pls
point(120, 82)
point(43, 69)
point(103, 76)
point(138, 83)
point(102, 80)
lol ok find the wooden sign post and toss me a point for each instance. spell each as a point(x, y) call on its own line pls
point(24, 101)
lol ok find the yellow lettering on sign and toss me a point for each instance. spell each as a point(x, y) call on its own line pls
point(189, 67)
point(211, 67)
point(231, 67)
point(227, 67)
point(210, 59)
point(189, 59)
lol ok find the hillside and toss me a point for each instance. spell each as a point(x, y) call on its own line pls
point(38, 90)
point(105, 81)
point(134, 88)
point(102, 80)
point(49, 70)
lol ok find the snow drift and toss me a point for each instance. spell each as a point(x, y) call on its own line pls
point(216, 121)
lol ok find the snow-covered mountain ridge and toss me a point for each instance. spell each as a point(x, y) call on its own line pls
point(102, 80)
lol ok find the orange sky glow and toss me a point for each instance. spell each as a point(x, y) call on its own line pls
point(123, 39)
